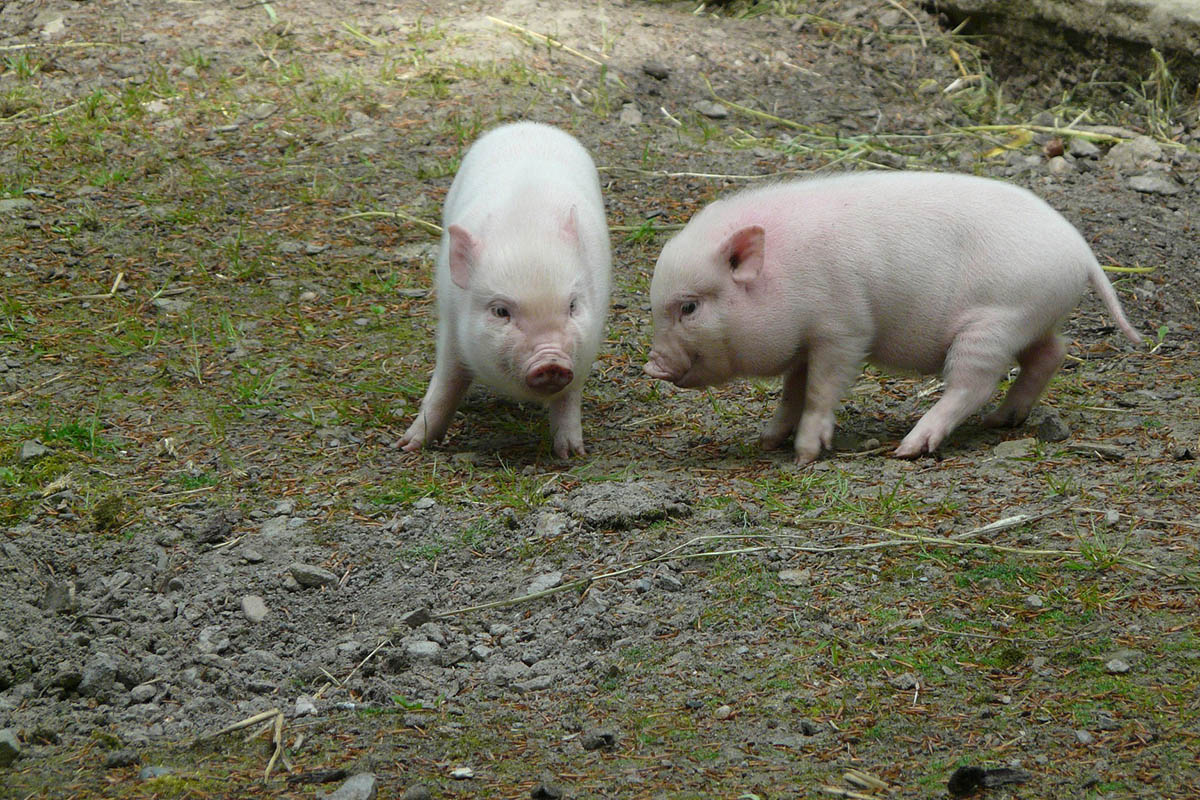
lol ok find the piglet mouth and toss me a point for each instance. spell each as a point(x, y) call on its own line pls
point(550, 377)
point(657, 367)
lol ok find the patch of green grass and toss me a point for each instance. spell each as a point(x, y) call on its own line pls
point(1007, 573)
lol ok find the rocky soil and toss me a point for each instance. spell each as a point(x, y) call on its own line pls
point(215, 321)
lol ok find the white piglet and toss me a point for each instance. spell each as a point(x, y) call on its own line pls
point(921, 272)
point(523, 277)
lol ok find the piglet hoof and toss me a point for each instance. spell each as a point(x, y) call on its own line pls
point(1004, 418)
point(773, 438)
point(413, 438)
point(806, 456)
point(568, 443)
point(912, 448)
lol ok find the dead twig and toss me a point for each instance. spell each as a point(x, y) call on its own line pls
point(246, 723)
point(911, 16)
point(102, 296)
point(15, 396)
point(429, 227)
point(550, 41)
point(274, 718)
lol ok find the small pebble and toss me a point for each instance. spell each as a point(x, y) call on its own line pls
point(121, 758)
point(598, 740)
point(1117, 666)
point(723, 712)
point(304, 706)
point(462, 773)
point(657, 70)
point(310, 576)
point(253, 608)
point(1083, 737)
point(1033, 602)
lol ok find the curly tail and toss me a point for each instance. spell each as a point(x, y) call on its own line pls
point(1103, 288)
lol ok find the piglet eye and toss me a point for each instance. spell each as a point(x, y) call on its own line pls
point(500, 311)
point(574, 306)
point(688, 308)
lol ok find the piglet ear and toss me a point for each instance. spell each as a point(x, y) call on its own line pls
point(464, 253)
point(743, 252)
point(570, 228)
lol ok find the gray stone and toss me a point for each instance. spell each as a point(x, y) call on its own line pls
point(310, 576)
point(462, 773)
point(1083, 737)
point(150, 773)
point(624, 504)
point(723, 712)
point(143, 693)
point(213, 640)
point(416, 618)
point(304, 706)
point(423, 651)
point(1154, 183)
point(31, 449)
point(1033, 602)
point(594, 604)
point(505, 674)
point(218, 526)
point(1059, 166)
point(535, 684)
point(254, 608)
point(276, 529)
point(1048, 425)
point(424, 503)
point(1083, 148)
point(1015, 448)
point(99, 676)
point(712, 110)
point(10, 204)
point(10, 748)
point(543, 582)
point(1133, 154)
point(630, 114)
point(362, 786)
point(550, 525)
point(480, 652)
point(418, 791)
point(905, 681)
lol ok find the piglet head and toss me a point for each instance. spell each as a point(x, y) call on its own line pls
point(699, 290)
point(529, 308)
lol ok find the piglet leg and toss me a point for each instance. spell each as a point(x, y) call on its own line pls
point(791, 408)
point(1038, 363)
point(832, 367)
point(974, 365)
point(446, 390)
point(566, 425)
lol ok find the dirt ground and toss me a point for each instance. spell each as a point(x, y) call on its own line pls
point(216, 319)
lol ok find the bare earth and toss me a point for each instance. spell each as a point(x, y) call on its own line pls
point(216, 320)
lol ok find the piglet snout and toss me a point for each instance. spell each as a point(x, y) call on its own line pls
point(549, 378)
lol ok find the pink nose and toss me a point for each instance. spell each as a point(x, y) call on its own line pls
point(549, 378)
